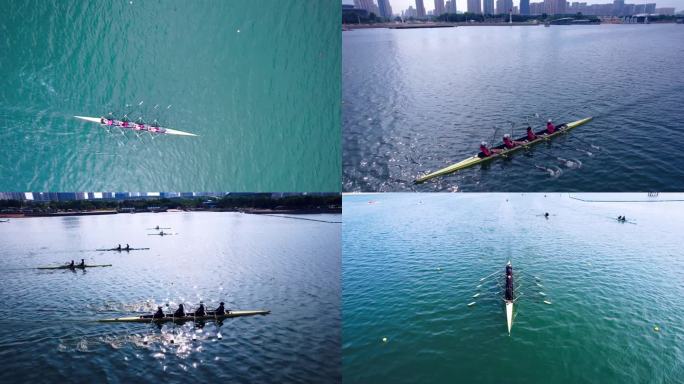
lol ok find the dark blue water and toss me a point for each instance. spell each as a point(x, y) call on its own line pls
point(288, 266)
point(418, 100)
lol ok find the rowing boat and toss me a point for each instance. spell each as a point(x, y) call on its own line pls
point(508, 298)
point(122, 249)
point(139, 127)
point(75, 266)
point(481, 158)
point(209, 316)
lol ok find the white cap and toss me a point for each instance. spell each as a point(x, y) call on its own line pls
point(550, 120)
point(507, 135)
point(484, 143)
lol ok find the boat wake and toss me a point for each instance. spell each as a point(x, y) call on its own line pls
point(552, 171)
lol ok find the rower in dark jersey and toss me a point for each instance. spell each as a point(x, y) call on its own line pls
point(180, 312)
point(82, 264)
point(72, 265)
point(220, 310)
point(159, 314)
point(200, 311)
point(509, 282)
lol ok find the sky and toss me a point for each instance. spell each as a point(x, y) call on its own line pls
point(399, 5)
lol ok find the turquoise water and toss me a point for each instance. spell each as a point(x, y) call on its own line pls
point(412, 262)
point(288, 266)
point(419, 100)
point(259, 83)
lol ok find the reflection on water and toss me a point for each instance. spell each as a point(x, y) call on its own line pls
point(288, 266)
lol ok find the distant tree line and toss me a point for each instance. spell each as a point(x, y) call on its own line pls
point(259, 201)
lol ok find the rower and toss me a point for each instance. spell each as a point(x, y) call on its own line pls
point(220, 310)
point(546, 215)
point(128, 247)
point(200, 311)
point(550, 128)
point(118, 248)
point(71, 265)
point(159, 314)
point(486, 151)
point(530, 134)
point(180, 312)
point(82, 264)
point(510, 143)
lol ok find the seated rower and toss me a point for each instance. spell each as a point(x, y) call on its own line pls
point(510, 143)
point(200, 311)
point(82, 264)
point(530, 134)
point(72, 264)
point(180, 312)
point(486, 151)
point(159, 314)
point(118, 248)
point(128, 247)
point(550, 128)
point(220, 310)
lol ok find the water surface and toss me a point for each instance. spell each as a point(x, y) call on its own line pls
point(259, 84)
point(412, 263)
point(418, 100)
point(288, 266)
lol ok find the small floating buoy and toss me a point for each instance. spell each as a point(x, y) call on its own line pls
point(471, 304)
point(547, 302)
point(656, 328)
point(384, 339)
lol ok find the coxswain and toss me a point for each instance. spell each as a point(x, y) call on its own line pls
point(220, 310)
point(510, 143)
point(159, 314)
point(550, 128)
point(530, 134)
point(180, 312)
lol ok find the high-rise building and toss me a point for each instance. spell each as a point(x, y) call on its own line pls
point(524, 7)
point(368, 5)
point(420, 9)
point(439, 7)
point(504, 6)
point(554, 7)
point(488, 7)
point(385, 9)
point(451, 6)
point(474, 6)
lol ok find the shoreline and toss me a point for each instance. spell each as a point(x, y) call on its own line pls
point(255, 211)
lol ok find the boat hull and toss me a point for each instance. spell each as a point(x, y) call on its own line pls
point(138, 319)
point(509, 315)
point(167, 131)
point(75, 267)
point(476, 159)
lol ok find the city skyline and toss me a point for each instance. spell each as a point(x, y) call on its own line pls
point(401, 5)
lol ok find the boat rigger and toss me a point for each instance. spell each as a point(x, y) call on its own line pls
point(501, 151)
point(135, 127)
